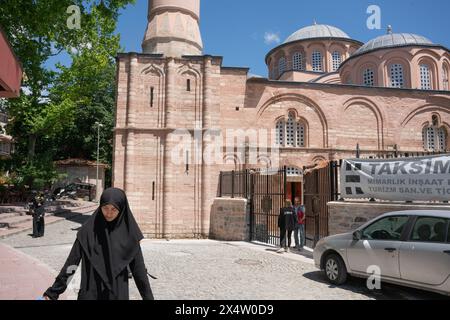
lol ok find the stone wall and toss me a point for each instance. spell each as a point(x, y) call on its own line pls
point(230, 220)
point(349, 215)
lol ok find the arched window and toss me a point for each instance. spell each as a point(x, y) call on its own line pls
point(291, 133)
point(337, 60)
point(429, 139)
point(445, 78)
point(397, 77)
point(442, 138)
point(280, 133)
point(297, 61)
point(300, 135)
point(293, 171)
point(317, 61)
point(425, 77)
point(281, 66)
point(369, 78)
point(435, 137)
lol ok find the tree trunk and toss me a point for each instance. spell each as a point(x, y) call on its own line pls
point(31, 146)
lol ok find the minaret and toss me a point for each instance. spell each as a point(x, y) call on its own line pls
point(173, 28)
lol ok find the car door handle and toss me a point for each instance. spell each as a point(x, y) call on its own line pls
point(390, 249)
point(447, 251)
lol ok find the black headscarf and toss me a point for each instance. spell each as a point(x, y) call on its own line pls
point(111, 246)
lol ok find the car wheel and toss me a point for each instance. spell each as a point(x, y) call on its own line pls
point(335, 269)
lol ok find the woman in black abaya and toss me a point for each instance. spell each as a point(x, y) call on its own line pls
point(108, 243)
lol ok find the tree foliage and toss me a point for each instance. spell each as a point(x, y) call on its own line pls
point(54, 117)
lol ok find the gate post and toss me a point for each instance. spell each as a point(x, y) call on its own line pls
point(220, 185)
point(251, 207)
point(232, 184)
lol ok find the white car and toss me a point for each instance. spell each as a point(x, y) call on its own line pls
point(410, 248)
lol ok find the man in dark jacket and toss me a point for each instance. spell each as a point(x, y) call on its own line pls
point(286, 222)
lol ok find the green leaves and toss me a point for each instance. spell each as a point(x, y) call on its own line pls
point(54, 117)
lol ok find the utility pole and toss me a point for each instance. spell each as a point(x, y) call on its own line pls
point(99, 125)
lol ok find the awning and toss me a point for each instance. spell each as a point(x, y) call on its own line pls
point(10, 70)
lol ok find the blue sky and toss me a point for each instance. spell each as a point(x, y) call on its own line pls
point(235, 29)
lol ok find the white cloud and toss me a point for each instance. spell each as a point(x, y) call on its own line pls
point(271, 38)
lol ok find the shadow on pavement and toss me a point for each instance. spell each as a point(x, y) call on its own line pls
point(388, 291)
point(74, 217)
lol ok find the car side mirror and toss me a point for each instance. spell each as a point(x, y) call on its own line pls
point(357, 235)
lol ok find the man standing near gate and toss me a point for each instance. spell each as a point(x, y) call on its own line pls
point(299, 232)
point(286, 223)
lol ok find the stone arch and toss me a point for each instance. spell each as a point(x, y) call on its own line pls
point(152, 69)
point(434, 69)
point(445, 76)
point(264, 160)
point(298, 120)
point(359, 76)
point(150, 94)
point(318, 159)
point(322, 49)
point(336, 44)
point(189, 84)
point(189, 70)
point(296, 48)
point(317, 44)
point(395, 54)
point(427, 52)
point(234, 158)
point(392, 59)
point(431, 108)
point(301, 99)
point(379, 118)
point(412, 127)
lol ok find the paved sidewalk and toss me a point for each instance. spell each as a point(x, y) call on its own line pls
point(22, 277)
point(24, 223)
point(191, 270)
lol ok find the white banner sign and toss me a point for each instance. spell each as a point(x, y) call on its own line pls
point(408, 179)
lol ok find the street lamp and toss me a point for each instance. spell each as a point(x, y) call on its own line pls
point(99, 125)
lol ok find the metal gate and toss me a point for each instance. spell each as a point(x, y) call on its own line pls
point(320, 187)
point(266, 191)
point(267, 195)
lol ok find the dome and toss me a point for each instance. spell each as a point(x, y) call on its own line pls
point(317, 31)
point(393, 40)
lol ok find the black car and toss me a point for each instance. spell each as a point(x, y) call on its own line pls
point(76, 191)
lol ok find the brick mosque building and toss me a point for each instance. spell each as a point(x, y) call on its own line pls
point(325, 94)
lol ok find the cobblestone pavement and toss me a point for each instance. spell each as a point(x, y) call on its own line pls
point(206, 269)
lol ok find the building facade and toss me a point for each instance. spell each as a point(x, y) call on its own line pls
point(10, 82)
point(182, 117)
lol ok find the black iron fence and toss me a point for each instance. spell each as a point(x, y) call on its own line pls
point(267, 196)
point(266, 191)
point(234, 184)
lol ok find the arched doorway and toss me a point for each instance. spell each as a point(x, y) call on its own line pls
point(294, 186)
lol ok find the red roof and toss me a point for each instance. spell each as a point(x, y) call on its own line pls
point(10, 70)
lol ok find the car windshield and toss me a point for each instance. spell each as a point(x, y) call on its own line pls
point(389, 228)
